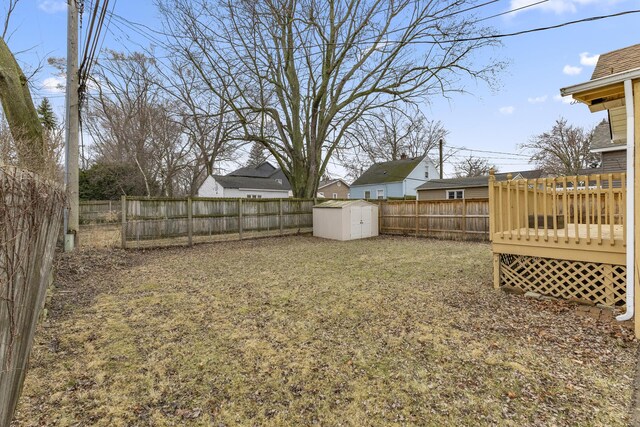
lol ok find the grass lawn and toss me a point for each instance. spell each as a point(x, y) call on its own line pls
point(303, 331)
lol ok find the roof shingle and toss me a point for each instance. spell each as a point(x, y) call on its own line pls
point(392, 171)
point(617, 61)
point(476, 181)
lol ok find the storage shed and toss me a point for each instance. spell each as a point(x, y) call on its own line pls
point(345, 219)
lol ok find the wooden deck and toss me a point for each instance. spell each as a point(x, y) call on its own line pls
point(578, 242)
point(578, 218)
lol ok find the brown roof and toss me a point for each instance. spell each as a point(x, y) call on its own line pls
point(617, 61)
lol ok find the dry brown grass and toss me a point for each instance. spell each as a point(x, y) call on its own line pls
point(302, 331)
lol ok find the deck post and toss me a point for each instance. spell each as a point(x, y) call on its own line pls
point(636, 190)
point(496, 270)
point(492, 202)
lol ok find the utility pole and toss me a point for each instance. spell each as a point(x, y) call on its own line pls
point(441, 159)
point(71, 217)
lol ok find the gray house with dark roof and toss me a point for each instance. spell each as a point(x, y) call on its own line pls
point(396, 178)
point(476, 187)
point(613, 151)
point(261, 182)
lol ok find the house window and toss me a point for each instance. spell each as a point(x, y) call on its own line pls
point(335, 195)
point(320, 193)
point(455, 194)
point(426, 174)
point(367, 194)
point(339, 183)
point(254, 196)
point(380, 194)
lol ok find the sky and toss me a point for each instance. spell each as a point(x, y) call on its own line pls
point(526, 103)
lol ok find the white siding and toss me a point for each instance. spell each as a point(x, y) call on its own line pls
point(210, 188)
point(266, 194)
point(417, 177)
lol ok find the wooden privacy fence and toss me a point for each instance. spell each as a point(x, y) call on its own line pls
point(30, 218)
point(443, 219)
point(100, 211)
point(153, 222)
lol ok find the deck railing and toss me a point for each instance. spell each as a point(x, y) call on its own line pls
point(581, 209)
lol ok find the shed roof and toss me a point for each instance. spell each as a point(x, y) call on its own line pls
point(392, 171)
point(339, 204)
point(617, 61)
point(476, 181)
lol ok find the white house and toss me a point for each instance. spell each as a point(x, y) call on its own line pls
point(261, 182)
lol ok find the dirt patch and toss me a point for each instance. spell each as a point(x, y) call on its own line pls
point(303, 331)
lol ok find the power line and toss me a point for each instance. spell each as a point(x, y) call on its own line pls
point(144, 31)
point(532, 30)
point(513, 10)
point(488, 151)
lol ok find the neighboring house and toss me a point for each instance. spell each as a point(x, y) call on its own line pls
point(260, 182)
point(476, 187)
point(611, 143)
point(397, 178)
point(333, 189)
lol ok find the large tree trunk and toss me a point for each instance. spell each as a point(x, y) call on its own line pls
point(20, 112)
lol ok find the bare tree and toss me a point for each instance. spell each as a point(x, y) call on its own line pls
point(387, 135)
point(209, 124)
point(131, 121)
point(312, 68)
point(473, 166)
point(563, 150)
point(9, 9)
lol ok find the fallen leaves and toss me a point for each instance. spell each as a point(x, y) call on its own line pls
point(302, 331)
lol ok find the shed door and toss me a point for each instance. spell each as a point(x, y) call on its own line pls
point(356, 222)
point(365, 222)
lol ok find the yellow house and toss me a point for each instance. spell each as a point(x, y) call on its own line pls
point(615, 87)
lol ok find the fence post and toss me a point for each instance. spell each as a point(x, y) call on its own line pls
point(281, 219)
point(190, 220)
point(380, 202)
point(240, 218)
point(123, 232)
point(464, 219)
point(417, 217)
point(496, 270)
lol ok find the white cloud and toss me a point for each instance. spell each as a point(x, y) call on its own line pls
point(588, 60)
point(507, 110)
point(537, 99)
point(52, 6)
point(571, 70)
point(563, 99)
point(53, 85)
point(556, 6)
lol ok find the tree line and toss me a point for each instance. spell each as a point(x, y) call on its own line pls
point(307, 84)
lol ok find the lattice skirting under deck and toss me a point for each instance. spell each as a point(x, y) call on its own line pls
point(593, 282)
